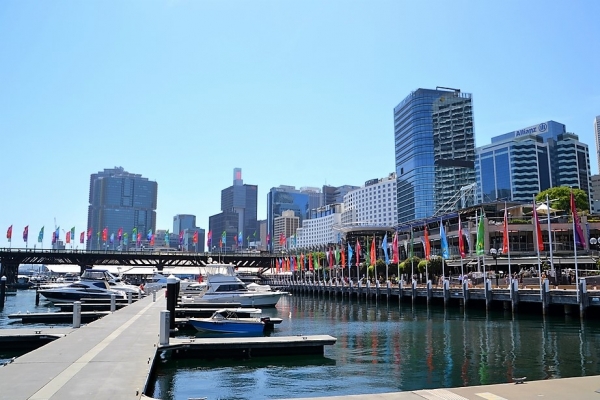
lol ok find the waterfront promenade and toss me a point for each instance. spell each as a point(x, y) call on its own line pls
point(584, 388)
point(107, 359)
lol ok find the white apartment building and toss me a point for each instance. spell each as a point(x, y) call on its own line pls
point(284, 226)
point(321, 228)
point(374, 204)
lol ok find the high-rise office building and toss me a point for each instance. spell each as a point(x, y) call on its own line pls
point(435, 151)
point(335, 194)
point(238, 218)
point(597, 136)
point(372, 205)
point(183, 221)
point(518, 165)
point(120, 200)
point(284, 198)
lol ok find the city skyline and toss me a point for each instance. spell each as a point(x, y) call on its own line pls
point(183, 92)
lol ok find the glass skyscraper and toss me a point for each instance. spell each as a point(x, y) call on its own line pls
point(284, 198)
point(518, 165)
point(435, 151)
point(120, 200)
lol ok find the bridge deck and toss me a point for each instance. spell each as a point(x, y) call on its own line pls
point(108, 358)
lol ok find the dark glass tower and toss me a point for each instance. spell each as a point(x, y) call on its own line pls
point(120, 200)
point(435, 151)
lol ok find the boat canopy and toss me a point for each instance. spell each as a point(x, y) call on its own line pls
point(64, 268)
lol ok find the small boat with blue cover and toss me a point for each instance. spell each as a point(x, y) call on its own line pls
point(229, 321)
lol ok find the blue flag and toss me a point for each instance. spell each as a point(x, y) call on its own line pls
point(149, 236)
point(350, 254)
point(444, 240)
point(384, 246)
point(57, 233)
point(240, 240)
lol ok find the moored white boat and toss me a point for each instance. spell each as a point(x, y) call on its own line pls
point(223, 286)
point(229, 321)
point(92, 285)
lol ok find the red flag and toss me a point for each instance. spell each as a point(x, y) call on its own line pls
point(89, 234)
point(330, 256)
point(221, 242)
point(195, 239)
point(152, 240)
point(26, 233)
point(9, 233)
point(357, 252)
point(373, 256)
point(120, 234)
point(505, 243)
point(104, 234)
point(82, 237)
point(53, 237)
point(343, 254)
point(427, 244)
point(310, 262)
point(461, 241)
point(395, 255)
point(538, 229)
point(68, 237)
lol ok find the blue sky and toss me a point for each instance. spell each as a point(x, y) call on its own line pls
point(296, 93)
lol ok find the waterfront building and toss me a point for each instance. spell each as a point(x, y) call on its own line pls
point(284, 230)
point(120, 200)
point(323, 227)
point(374, 204)
point(238, 217)
point(597, 136)
point(285, 198)
point(435, 151)
point(335, 194)
point(518, 165)
point(595, 195)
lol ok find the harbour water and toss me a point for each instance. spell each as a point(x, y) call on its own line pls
point(380, 348)
point(392, 347)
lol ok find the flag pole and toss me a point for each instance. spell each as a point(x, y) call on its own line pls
point(537, 241)
point(574, 212)
point(550, 236)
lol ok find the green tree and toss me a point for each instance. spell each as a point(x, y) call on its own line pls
point(560, 198)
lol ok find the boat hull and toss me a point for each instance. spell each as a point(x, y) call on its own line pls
point(267, 299)
point(56, 296)
point(235, 326)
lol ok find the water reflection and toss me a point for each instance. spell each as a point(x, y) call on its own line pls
point(383, 347)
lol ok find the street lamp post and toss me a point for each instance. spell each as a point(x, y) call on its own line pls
point(495, 255)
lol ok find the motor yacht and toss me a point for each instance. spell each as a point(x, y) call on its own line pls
point(92, 285)
point(223, 286)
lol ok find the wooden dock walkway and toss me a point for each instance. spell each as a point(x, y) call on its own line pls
point(110, 358)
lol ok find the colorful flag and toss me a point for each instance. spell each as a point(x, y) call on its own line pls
point(240, 240)
point(149, 235)
point(167, 241)
point(139, 239)
point(104, 234)
point(310, 262)
point(41, 235)
point(480, 245)
point(538, 229)
point(152, 240)
point(395, 252)
point(337, 256)
point(125, 237)
point(577, 232)
point(316, 257)
point(461, 242)
point(120, 234)
point(384, 246)
point(444, 242)
point(53, 237)
point(224, 238)
point(181, 238)
point(373, 254)
point(330, 257)
point(26, 233)
point(57, 233)
point(209, 239)
point(357, 252)
point(89, 234)
point(82, 237)
point(73, 234)
point(427, 244)
point(9, 233)
point(268, 239)
point(350, 253)
point(195, 238)
point(343, 255)
point(68, 237)
point(134, 233)
point(112, 238)
point(505, 242)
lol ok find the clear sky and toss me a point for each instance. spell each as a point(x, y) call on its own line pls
point(293, 92)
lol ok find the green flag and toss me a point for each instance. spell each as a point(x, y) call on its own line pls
point(316, 260)
point(480, 246)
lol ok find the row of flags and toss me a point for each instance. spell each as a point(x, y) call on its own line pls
point(237, 239)
point(120, 237)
